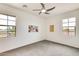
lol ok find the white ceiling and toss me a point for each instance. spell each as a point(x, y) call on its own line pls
point(60, 8)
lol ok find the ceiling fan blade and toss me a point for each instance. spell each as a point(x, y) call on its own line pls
point(42, 5)
point(39, 13)
point(50, 9)
point(36, 9)
point(46, 13)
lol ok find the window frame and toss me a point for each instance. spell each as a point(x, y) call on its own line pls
point(8, 25)
point(69, 30)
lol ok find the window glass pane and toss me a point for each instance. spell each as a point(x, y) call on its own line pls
point(3, 16)
point(71, 27)
point(72, 19)
point(12, 18)
point(65, 20)
point(11, 31)
point(11, 28)
point(66, 30)
point(72, 24)
point(11, 23)
point(3, 31)
point(65, 27)
point(71, 30)
point(3, 28)
point(3, 22)
point(65, 24)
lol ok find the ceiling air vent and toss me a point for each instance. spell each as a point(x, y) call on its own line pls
point(25, 6)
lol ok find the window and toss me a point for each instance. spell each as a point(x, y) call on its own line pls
point(69, 25)
point(7, 26)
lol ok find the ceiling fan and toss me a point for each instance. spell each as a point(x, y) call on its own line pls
point(43, 9)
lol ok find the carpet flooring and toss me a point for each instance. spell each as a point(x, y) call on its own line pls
point(43, 48)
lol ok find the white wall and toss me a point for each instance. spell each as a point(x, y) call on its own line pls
point(58, 35)
point(22, 36)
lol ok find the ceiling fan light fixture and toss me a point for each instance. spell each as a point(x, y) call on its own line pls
point(43, 10)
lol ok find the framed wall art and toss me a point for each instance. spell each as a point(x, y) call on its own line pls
point(51, 28)
point(32, 28)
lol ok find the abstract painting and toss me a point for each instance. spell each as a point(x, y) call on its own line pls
point(32, 28)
